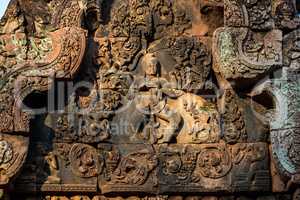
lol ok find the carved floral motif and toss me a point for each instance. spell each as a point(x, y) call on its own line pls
point(166, 107)
point(84, 160)
point(252, 14)
point(13, 151)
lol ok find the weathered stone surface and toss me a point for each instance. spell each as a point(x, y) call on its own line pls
point(150, 100)
point(243, 56)
point(213, 167)
point(285, 126)
point(251, 14)
point(13, 152)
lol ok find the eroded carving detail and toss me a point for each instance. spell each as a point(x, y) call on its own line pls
point(241, 54)
point(13, 151)
point(149, 97)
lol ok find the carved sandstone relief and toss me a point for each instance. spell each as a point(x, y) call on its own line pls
point(29, 63)
point(149, 99)
point(243, 56)
point(284, 126)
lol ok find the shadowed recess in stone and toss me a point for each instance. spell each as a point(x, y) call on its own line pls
point(150, 100)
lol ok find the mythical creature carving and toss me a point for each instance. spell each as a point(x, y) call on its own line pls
point(146, 99)
point(284, 126)
point(242, 55)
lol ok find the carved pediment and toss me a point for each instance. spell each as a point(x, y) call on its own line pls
point(149, 99)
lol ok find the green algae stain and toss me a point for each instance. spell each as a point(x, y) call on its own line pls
point(227, 51)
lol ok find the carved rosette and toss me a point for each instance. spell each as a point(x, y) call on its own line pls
point(165, 107)
point(214, 162)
